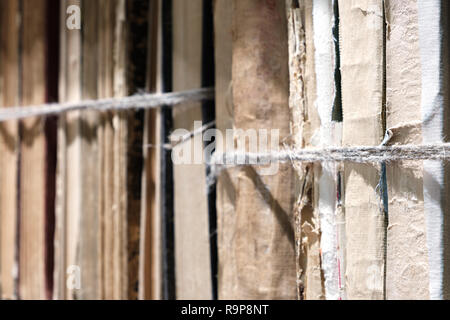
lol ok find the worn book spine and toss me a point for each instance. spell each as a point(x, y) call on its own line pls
point(304, 124)
point(77, 245)
point(264, 240)
point(407, 254)
point(69, 201)
point(121, 154)
point(315, 290)
point(32, 200)
point(90, 246)
point(361, 36)
point(109, 208)
point(226, 181)
point(192, 247)
point(9, 146)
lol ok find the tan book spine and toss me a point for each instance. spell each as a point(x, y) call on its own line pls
point(226, 182)
point(362, 93)
point(407, 253)
point(70, 86)
point(9, 96)
point(304, 126)
point(192, 251)
point(90, 244)
point(264, 239)
point(32, 283)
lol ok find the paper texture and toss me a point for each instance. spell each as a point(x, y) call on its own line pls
point(304, 126)
point(407, 257)
point(263, 242)
point(192, 252)
point(362, 86)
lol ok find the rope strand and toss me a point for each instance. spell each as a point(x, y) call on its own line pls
point(350, 154)
point(141, 101)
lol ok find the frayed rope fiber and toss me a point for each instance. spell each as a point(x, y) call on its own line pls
point(139, 101)
point(382, 153)
point(350, 154)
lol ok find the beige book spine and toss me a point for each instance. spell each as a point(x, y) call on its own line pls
point(264, 240)
point(9, 96)
point(362, 93)
point(192, 251)
point(33, 156)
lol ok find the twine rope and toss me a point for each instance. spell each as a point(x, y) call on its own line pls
point(139, 101)
point(350, 154)
point(360, 154)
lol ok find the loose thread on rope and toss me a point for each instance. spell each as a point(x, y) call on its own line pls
point(183, 139)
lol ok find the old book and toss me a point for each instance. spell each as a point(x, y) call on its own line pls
point(101, 154)
point(77, 240)
point(120, 155)
point(361, 42)
point(33, 155)
point(9, 96)
point(314, 289)
point(407, 273)
point(192, 251)
point(226, 181)
point(264, 240)
point(304, 127)
point(70, 201)
point(111, 82)
point(89, 242)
